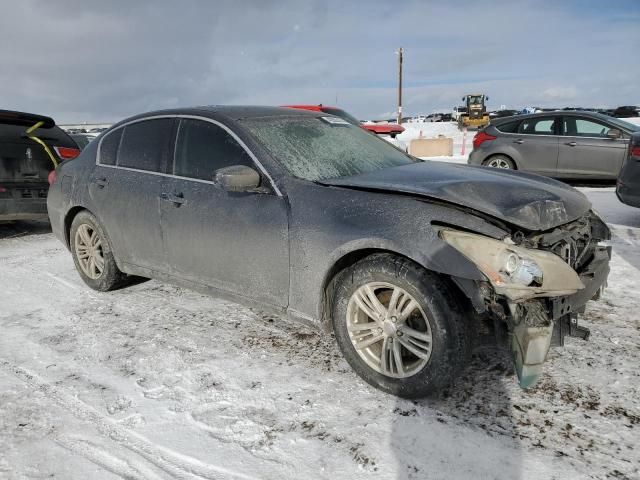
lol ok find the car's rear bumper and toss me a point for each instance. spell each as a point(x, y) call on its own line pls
point(475, 157)
point(23, 209)
point(628, 195)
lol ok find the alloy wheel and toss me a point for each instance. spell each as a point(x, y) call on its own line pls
point(498, 162)
point(389, 330)
point(88, 247)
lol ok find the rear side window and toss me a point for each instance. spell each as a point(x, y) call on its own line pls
point(109, 147)
point(538, 126)
point(203, 147)
point(145, 144)
point(508, 127)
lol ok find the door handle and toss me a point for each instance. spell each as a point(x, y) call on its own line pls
point(572, 144)
point(176, 198)
point(519, 141)
point(100, 182)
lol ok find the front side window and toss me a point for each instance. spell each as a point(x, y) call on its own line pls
point(316, 149)
point(145, 144)
point(109, 147)
point(538, 126)
point(203, 147)
point(580, 127)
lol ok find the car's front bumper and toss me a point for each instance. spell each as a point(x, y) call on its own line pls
point(530, 342)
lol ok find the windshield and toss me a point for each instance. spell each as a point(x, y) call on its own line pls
point(314, 149)
point(342, 114)
point(475, 99)
point(623, 125)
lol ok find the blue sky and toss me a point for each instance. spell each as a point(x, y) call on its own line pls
point(89, 61)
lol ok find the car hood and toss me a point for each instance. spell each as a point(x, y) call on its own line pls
point(526, 200)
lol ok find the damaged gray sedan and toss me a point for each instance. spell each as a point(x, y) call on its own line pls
point(305, 215)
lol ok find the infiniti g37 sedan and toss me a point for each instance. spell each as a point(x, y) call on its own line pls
point(303, 214)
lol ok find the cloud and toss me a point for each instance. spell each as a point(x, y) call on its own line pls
point(560, 94)
point(102, 61)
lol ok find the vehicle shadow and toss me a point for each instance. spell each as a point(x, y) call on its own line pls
point(23, 228)
point(475, 435)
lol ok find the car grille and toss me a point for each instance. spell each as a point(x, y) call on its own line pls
point(573, 242)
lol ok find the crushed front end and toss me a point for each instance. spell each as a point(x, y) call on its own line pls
point(538, 284)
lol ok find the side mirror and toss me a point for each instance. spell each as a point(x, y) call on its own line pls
point(486, 98)
point(614, 133)
point(463, 99)
point(237, 178)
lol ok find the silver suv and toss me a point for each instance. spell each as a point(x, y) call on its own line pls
point(574, 144)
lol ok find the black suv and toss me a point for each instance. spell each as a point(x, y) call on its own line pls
point(31, 147)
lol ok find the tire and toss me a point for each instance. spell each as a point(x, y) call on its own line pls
point(103, 279)
point(499, 161)
point(438, 316)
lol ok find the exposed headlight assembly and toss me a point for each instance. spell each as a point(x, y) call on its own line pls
point(516, 272)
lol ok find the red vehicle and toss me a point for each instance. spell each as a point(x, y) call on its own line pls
point(391, 129)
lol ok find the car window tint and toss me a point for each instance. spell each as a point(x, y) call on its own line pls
point(537, 126)
point(509, 127)
point(580, 127)
point(109, 147)
point(203, 147)
point(144, 145)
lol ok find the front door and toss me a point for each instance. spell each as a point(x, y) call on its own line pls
point(233, 241)
point(587, 151)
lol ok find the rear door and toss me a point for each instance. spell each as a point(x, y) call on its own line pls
point(536, 139)
point(125, 188)
point(586, 151)
point(233, 241)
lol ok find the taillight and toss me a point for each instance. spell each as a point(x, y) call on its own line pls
point(3, 190)
point(635, 151)
point(51, 178)
point(481, 137)
point(67, 153)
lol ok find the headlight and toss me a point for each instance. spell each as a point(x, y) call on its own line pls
point(514, 271)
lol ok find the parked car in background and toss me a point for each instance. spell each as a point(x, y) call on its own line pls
point(305, 214)
point(82, 139)
point(391, 129)
point(31, 146)
point(562, 144)
point(457, 111)
point(628, 185)
point(627, 112)
point(503, 113)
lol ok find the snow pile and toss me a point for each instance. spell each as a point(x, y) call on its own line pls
point(157, 382)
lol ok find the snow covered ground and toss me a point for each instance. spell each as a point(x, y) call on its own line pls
point(157, 382)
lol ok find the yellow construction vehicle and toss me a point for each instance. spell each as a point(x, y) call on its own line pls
point(476, 114)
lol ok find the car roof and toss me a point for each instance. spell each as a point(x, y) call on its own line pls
point(553, 113)
point(24, 119)
point(233, 112)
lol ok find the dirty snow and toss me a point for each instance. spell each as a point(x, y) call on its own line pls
point(157, 382)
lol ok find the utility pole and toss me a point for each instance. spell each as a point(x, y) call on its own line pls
point(400, 85)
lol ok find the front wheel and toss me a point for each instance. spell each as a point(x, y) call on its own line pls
point(399, 326)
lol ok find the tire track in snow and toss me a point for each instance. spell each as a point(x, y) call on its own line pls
point(177, 465)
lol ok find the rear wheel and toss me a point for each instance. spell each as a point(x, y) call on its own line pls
point(499, 161)
point(92, 254)
point(399, 326)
